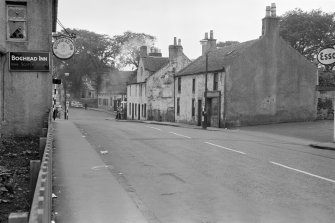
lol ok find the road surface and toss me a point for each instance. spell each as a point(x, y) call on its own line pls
point(177, 174)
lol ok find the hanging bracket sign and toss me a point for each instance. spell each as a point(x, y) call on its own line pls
point(326, 56)
point(63, 48)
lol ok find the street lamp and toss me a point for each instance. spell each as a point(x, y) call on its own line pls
point(66, 116)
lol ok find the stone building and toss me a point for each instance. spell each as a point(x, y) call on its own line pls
point(256, 82)
point(136, 88)
point(26, 83)
point(160, 85)
point(113, 89)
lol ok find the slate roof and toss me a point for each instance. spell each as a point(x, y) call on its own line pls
point(217, 59)
point(153, 64)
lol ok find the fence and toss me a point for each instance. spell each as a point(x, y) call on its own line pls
point(42, 199)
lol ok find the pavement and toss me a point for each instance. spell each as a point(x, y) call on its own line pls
point(86, 190)
point(80, 175)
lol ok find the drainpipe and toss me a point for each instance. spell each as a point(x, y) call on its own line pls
point(225, 100)
point(174, 95)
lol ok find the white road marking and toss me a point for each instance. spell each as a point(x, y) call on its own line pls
point(233, 150)
point(304, 172)
point(153, 128)
point(180, 135)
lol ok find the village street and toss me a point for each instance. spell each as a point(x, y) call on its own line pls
point(180, 174)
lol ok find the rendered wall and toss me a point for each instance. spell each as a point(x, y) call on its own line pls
point(270, 83)
point(26, 96)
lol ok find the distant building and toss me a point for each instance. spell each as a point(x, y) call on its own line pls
point(26, 85)
point(113, 89)
point(89, 88)
point(256, 82)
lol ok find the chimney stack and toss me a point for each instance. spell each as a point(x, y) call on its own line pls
point(143, 51)
point(155, 52)
point(175, 50)
point(208, 44)
point(270, 23)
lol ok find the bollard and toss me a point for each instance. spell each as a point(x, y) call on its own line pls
point(34, 170)
point(20, 217)
point(43, 142)
point(44, 132)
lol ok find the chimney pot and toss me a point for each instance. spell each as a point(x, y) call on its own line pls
point(273, 9)
point(175, 41)
point(179, 42)
point(268, 9)
point(206, 35)
point(211, 34)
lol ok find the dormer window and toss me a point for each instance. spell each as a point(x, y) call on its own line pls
point(17, 21)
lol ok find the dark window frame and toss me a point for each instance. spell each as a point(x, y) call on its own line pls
point(178, 106)
point(179, 84)
point(193, 85)
point(10, 21)
point(215, 81)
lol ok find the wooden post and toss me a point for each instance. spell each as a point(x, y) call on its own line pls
point(44, 132)
point(34, 170)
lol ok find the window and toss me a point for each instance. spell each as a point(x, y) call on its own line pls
point(129, 106)
point(193, 85)
point(140, 89)
point(145, 110)
point(193, 107)
point(215, 81)
point(178, 106)
point(179, 84)
point(17, 21)
point(129, 90)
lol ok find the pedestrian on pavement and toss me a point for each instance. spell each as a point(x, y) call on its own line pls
point(55, 113)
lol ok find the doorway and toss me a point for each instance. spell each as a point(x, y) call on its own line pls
point(199, 112)
point(213, 118)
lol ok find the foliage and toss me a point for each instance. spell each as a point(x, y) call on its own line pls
point(227, 43)
point(15, 156)
point(308, 32)
point(96, 53)
point(128, 45)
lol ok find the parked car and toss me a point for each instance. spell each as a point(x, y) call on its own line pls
point(76, 104)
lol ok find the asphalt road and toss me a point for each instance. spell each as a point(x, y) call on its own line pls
point(177, 174)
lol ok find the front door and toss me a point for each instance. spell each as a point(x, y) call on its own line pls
point(199, 112)
point(139, 111)
point(213, 112)
point(132, 111)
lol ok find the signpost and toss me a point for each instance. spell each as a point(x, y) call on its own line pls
point(29, 61)
point(327, 57)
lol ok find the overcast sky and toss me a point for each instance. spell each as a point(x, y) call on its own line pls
point(238, 20)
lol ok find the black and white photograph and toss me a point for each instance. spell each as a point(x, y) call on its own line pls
point(155, 111)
